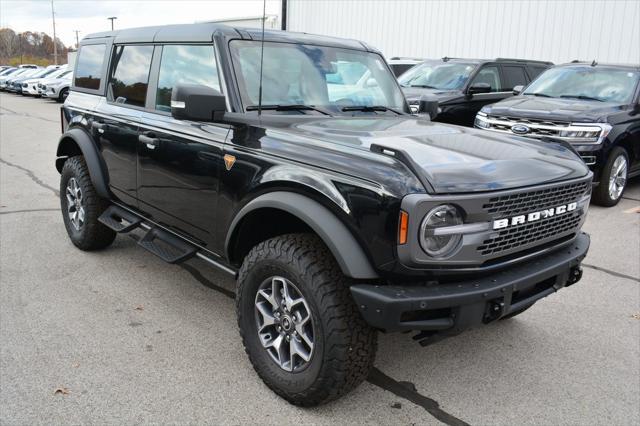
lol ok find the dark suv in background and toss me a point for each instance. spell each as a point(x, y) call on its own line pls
point(455, 89)
point(594, 107)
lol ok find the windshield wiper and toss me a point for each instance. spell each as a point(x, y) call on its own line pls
point(588, 98)
point(423, 86)
point(543, 95)
point(370, 108)
point(288, 107)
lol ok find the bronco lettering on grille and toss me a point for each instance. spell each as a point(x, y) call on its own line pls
point(532, 217)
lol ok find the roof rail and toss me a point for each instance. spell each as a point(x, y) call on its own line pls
point(523, 60)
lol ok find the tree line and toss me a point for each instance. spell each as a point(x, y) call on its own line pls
point(30, 47)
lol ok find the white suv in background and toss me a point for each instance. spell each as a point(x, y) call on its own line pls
point(57, 88)
point(30, 87)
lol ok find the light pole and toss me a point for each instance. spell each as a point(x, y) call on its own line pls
point(112, 18)
point(77, 40)
point(55, 45)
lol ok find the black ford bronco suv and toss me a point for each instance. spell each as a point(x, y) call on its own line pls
point(339, 213)
point(594, 107)
point(456, 88)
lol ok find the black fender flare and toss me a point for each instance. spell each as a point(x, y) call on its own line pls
point(338, 238)
point(91, 154)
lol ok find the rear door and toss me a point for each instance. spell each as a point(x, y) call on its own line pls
point(117, 120)
point(179, 162)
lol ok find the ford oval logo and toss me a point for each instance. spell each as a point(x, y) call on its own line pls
point(520, 129)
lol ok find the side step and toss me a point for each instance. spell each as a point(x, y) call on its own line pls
point(119, 219)
point(166, 246)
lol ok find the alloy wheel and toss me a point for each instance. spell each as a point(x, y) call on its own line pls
point(618, 177)
point(75, 208)
point(284, 323)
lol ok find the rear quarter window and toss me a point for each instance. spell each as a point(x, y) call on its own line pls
point(89, 66)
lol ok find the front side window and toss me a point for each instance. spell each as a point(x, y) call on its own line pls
point(89, 66)
point(586, 82)
point(489, 75)
point(130, 75)
point(327, 77)
point(437, 75)
point(185, 65)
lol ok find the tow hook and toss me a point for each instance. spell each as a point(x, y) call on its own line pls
point(574, 275)
point(495, 309)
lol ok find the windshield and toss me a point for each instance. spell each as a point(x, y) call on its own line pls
point(437, 75)
point(322, 77)
point(586, 82)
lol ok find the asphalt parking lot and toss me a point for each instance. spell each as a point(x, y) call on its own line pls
point(125, 338)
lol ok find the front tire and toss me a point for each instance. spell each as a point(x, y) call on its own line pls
point(63, 95)
point(299, 324)
point(613, 180)
point(81, 206)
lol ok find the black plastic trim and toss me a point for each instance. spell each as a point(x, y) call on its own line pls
point(383, 306)
point(344, 247)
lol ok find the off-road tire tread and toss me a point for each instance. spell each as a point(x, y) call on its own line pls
point(350, 343)
point(601, 192)
point(95, 236)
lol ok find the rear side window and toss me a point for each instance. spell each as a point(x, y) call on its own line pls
point(130, 74)
point(89, 66)
point(514, 76)
point(185, 65)
point(535, 71)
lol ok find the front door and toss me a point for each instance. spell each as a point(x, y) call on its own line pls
point(179, 162)
point(489, 74)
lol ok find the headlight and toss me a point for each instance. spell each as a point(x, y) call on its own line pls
point(586, 132)
point(481, 121)
point(440, 245)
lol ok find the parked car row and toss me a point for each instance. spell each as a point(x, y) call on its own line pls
point(593, 107)
point(50, 82)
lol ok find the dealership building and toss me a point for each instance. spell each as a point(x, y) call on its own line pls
point(558, 31)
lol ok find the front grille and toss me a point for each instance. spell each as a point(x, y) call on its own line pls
point(526, 202)
point(537, 128)
point(532, 233)
point(529, 233)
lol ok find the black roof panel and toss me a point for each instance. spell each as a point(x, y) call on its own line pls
point(204, 33)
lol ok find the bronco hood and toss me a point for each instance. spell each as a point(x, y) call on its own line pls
point(452, 159)
point(559, 109)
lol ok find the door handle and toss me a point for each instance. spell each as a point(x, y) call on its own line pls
point(151, 143)
point(97, 125)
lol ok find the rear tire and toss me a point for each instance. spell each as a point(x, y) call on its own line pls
point(81, 206)
point(613, 179)
point(343, 345)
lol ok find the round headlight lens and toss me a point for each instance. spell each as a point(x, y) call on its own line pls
point(438, 217)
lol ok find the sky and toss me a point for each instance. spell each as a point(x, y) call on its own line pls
point(91, 16)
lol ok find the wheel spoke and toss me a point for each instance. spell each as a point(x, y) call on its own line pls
point(81, 214)
point(285, 333)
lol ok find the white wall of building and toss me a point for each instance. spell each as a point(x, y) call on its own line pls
point(554, 30)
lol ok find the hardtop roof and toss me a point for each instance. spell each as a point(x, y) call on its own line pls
point(204, 32)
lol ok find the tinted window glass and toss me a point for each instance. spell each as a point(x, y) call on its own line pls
point(185, 65)
point(437, 75)
point(535, 71)
point(89, 66)
point(489, 75)
point(130, 76)
point(513, 76)
point(399, 69)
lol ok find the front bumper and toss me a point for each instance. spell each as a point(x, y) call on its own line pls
point(448, 309)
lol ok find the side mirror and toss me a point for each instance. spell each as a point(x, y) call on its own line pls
point(517, 89)
point(196, 102)
point(428, 105)
point(371, 82)
point(479, 88)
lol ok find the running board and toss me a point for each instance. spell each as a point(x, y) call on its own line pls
point(166, 246)
point(119, 220)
